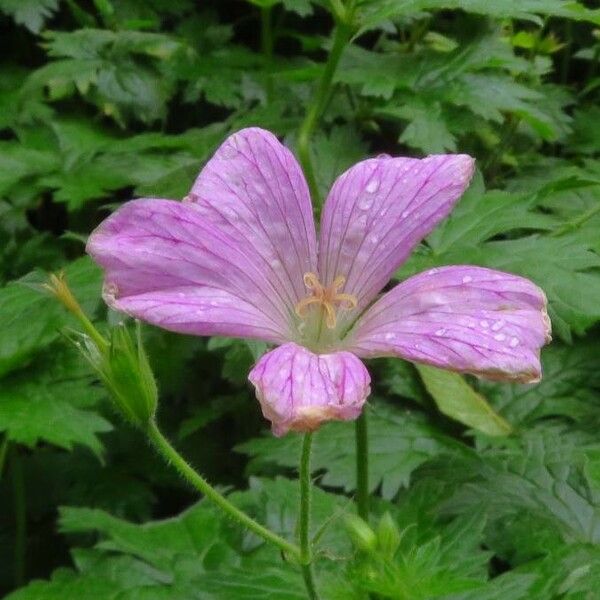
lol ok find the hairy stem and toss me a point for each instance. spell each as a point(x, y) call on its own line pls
point(362, 467)
point(341, 35)
point(172, 457)
point(304, 535)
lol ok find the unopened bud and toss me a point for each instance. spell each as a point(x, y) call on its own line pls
point(388, 535)
point(127, 373)
point(362, 535)
point(124, 369)
point(121, 363)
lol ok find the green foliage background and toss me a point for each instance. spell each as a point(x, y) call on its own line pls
point(105, 100)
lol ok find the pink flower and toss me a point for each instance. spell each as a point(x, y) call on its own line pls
point(240, 257)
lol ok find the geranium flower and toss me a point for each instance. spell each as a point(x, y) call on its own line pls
point(239, 257)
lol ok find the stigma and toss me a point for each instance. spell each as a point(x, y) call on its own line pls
point(329, 298)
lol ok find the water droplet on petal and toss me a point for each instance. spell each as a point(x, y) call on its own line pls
point(440, 332)
point(467, 279)
point(404, 214)
point(361, 222)
point(498, 325)
point(390, 336)
point(514, 342)
point(484, 324)
point(499, 337)
point(365, 203)
point(372, 186)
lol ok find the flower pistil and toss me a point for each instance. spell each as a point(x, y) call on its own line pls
point(329, 298)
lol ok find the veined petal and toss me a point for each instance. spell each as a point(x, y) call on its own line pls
point(298, 390)
point(379, 210)
point(254, 190)
point(466, 319)
point(199, 311)
point(161, 251)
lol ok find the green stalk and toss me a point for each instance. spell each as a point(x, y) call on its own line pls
point(566, 57)
point(341, 36)
point(267, 44)
point(172, 457)
point(305, 493)
point(19, 500)
point(362, 467)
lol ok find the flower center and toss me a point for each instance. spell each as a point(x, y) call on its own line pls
point(329, 298)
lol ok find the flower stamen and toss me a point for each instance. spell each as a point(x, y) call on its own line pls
point(327, 297)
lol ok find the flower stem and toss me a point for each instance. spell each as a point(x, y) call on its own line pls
point(171, 456)
point(305, 493)
point(267, 42)
point(341, 35)
point(362, 467)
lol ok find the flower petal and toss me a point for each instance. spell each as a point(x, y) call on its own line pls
point(379, 210)
point(159, 251)
point(466, 319)
point(199, 311)
point(254, 190)
point(298, 390)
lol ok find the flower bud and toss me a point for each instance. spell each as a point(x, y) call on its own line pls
point(388, 535)
point(362, 535)
point(125, 371)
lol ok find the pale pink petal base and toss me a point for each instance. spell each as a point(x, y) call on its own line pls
point(298, 390)
point(461, 318)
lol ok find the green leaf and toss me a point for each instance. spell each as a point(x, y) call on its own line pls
point(124, 73)
point(586, 130)
point(30, 13)
point(378, 10)
point(572, 573)
point(439, 566)
point(482, 215)
point(104, 576)
point(535, 492)
point(458, 400)
point(18, 163)
point(49, 402)
point(194, 534)
point(335, 152)
point(427, 129)
point(197, 554)
point(398, 443)
point(570, 388)
point(22, 335)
